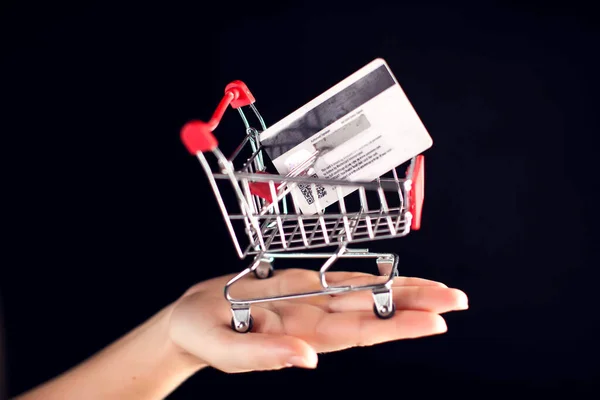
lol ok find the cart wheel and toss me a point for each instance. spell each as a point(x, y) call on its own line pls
point(385, 265)
point(264, 270)
point(384, 314)
point(242, 327)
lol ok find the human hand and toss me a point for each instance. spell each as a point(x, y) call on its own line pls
point(291, 332)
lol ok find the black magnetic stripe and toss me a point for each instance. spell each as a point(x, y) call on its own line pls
point(332, 109)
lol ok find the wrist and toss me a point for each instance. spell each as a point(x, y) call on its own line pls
point(179, 356)
point(144, 364)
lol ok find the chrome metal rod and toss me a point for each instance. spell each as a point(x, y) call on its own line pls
point(328, 265)
point(330, 218)
point(347, 254)
point(220, 202)
point(328, 290)
point(385, 184)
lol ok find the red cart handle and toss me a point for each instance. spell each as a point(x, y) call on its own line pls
point(198, 136)
point(417, 192)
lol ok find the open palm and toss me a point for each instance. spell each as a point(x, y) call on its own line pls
point(292, 332)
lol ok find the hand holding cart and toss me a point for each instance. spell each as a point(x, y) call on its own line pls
point(274, 226)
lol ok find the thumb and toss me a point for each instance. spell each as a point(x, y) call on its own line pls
point(237, 352)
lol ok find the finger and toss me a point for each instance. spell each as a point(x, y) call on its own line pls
point(292, 281)
point(289, 282)
point(424, 298)
point(362, 328)
point(360, 279)
point(298, 280)
point(237, 352)
point(341, 276)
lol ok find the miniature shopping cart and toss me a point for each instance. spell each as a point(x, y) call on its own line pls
point(274, 225)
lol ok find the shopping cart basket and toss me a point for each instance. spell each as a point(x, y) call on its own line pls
point(275, 227)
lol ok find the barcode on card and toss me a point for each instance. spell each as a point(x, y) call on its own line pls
point(306, 190)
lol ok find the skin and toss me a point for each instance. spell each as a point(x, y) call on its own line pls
point(194, 333)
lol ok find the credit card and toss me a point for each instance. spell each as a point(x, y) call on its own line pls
point(362, 128)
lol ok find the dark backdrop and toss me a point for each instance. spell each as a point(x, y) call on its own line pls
point(109, 219)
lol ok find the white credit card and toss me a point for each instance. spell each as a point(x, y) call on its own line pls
point(367, 125)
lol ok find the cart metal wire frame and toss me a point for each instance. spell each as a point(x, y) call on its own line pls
point(274, 225)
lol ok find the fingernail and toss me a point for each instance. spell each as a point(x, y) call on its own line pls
point(463, 301)
point(303, 362)
point(441, 325)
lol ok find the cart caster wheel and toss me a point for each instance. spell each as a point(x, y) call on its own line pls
point(241, 326)
point(384, 306)
point(264, 270)
point(385, 265)
point(384, 313)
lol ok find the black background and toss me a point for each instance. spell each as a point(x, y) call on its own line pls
point(108, 218)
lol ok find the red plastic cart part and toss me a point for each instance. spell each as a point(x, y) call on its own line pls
point(243, 97)
point(197, 135)
point(262, 189)
point(417, 192)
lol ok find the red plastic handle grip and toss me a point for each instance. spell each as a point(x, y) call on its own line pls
point(242, 95)
point(417, 192)
point(197, 135)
